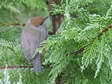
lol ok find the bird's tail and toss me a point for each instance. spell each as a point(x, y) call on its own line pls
point(37, 63)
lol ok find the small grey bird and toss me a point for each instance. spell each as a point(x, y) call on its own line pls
point(32, 35)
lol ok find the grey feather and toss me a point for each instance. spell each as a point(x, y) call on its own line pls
point(30, 40)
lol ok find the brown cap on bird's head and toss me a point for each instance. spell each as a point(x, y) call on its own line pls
point(36, 21)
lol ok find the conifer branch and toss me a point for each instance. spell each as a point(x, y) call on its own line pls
point(98, 36)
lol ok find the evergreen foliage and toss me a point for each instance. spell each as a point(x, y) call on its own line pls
point(86, 25)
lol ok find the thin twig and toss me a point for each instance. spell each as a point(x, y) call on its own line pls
point(98, 36)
